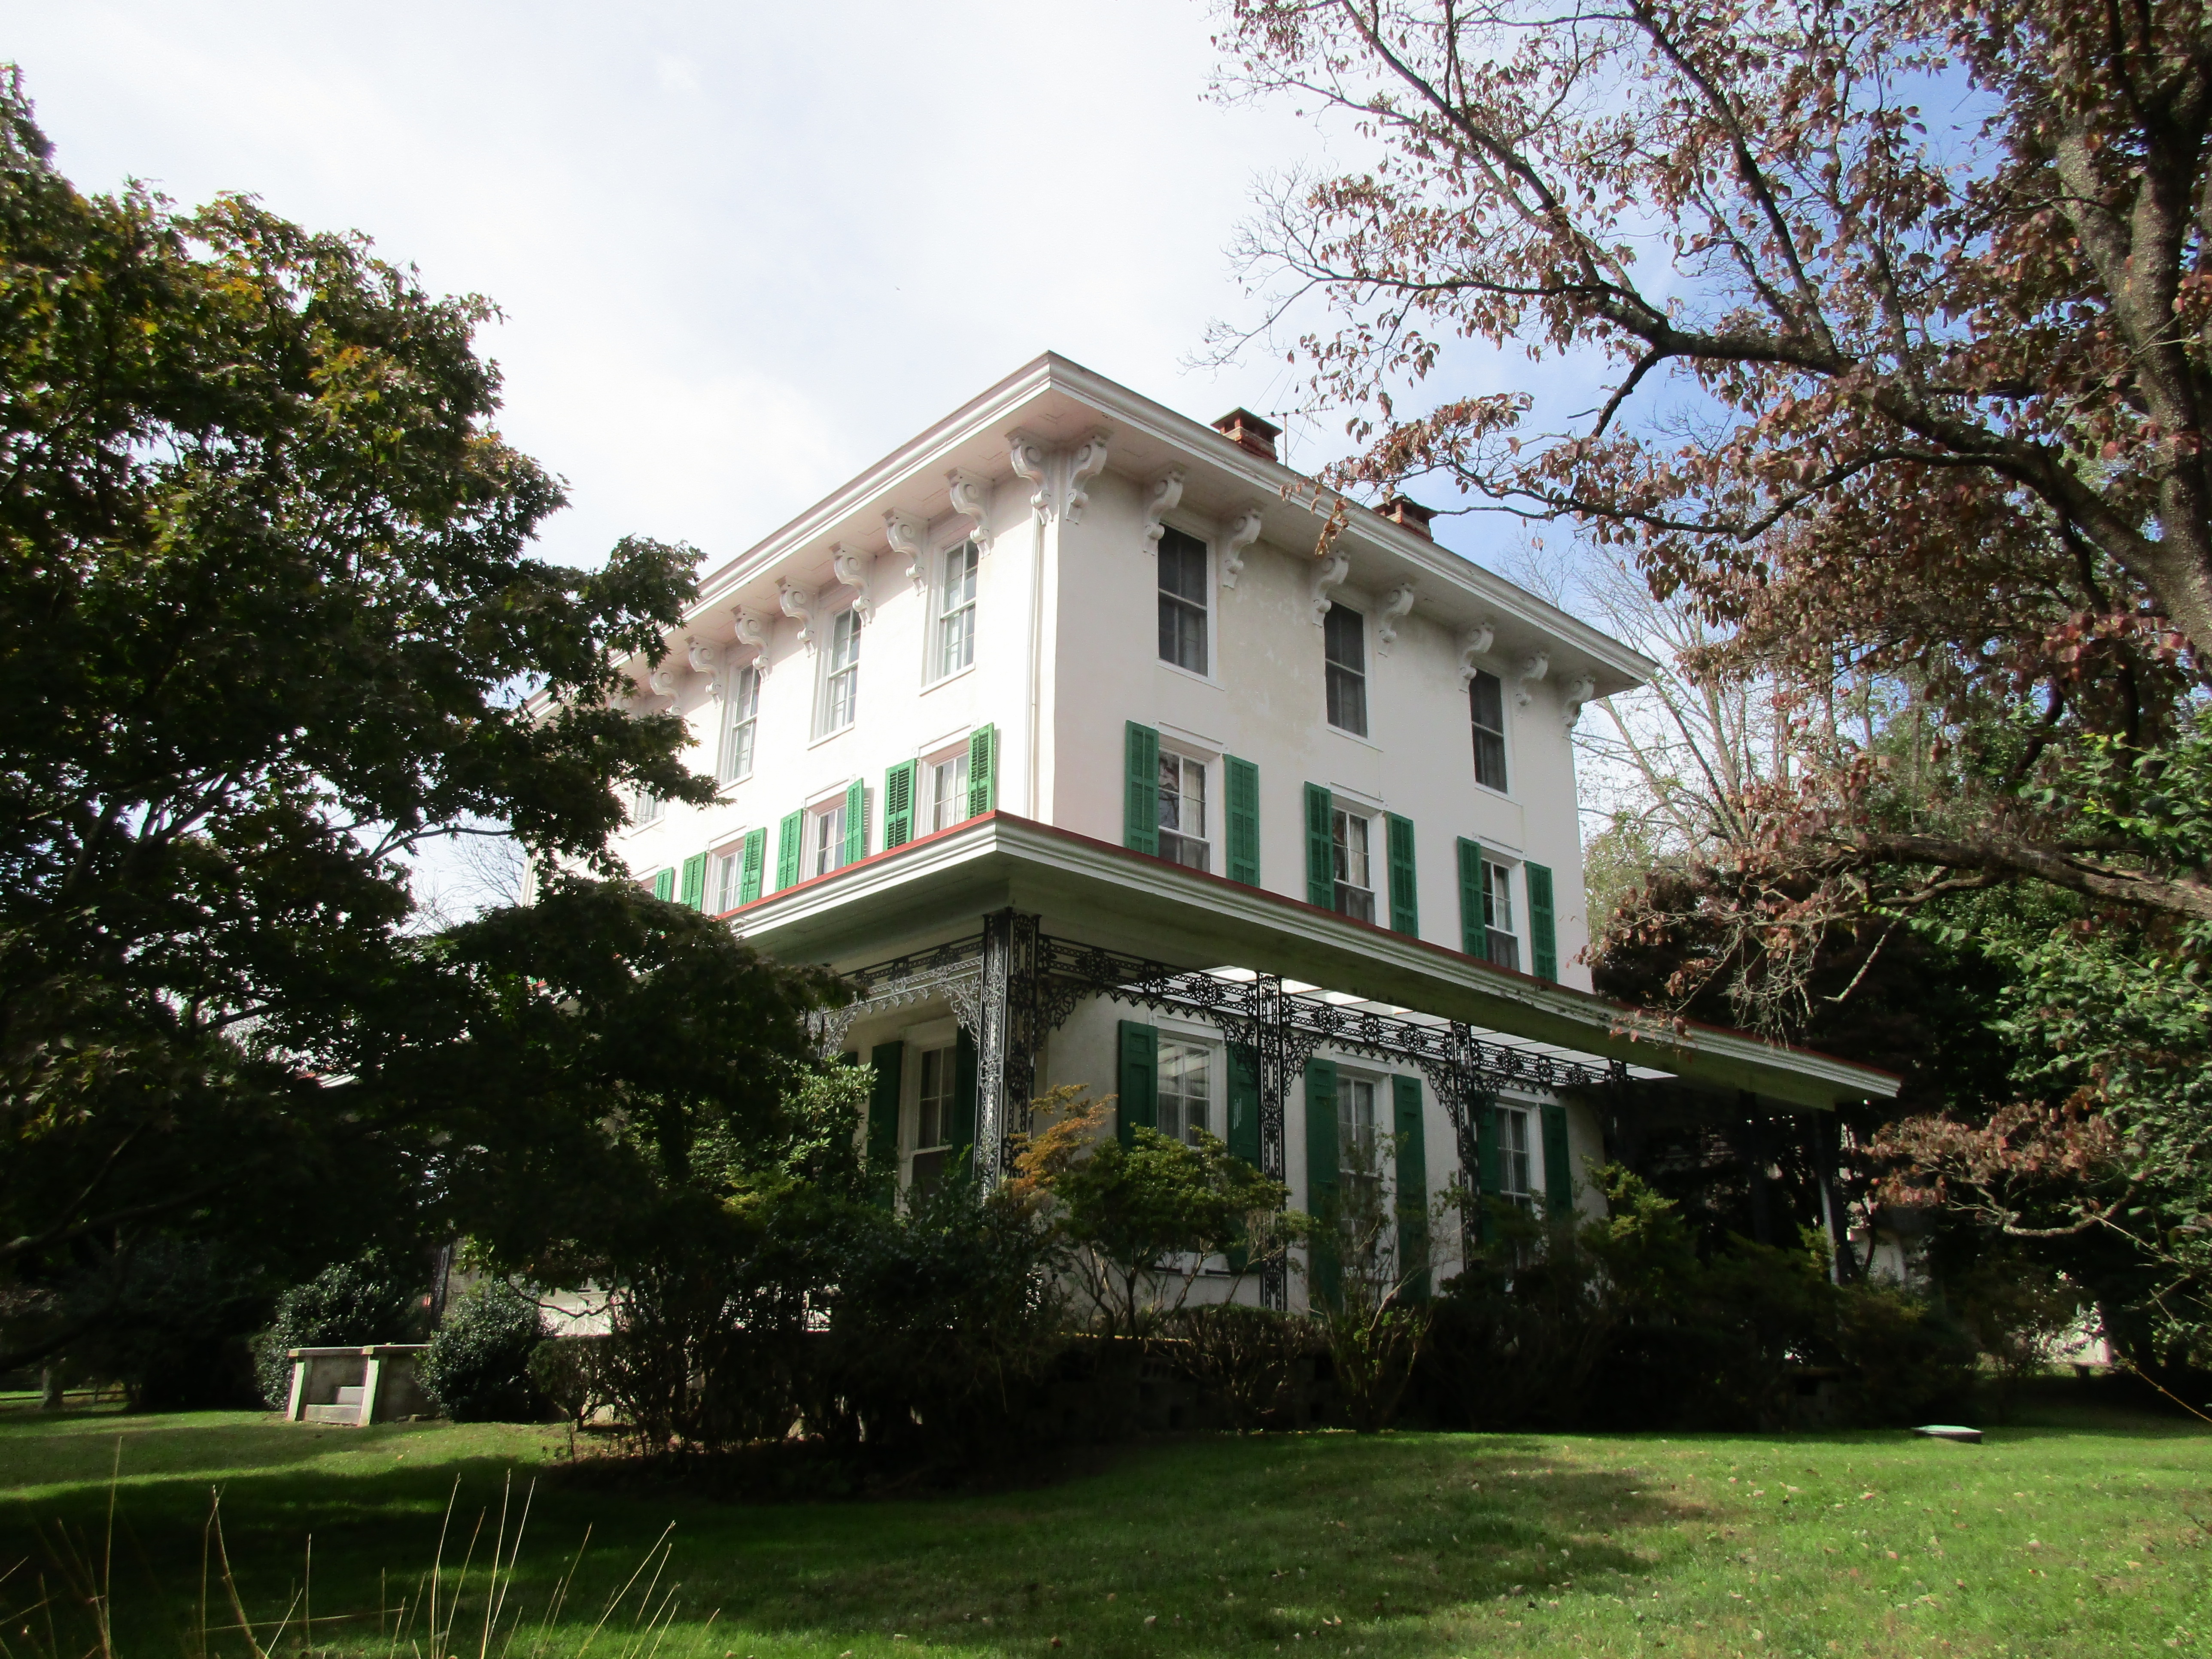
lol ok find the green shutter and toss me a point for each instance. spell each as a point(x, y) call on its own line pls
point(962, 1137)
point(1558, 1163)
point(664, 884)
point(898, 805)
point(982, 771)
point(1543, 936)
point(856, 822)
point(695, 881)
point(748, 873)
point(1322, 1155)
point(1413, 1184)
point(788, 836)
point(1139, 1106)
point(1321, 848)
point(1243, 1136)
point(1473, 939)
point(1140, 798)
point(888, 1059)
point(1405, 898)
point(1242, 788)
point(1489, 1163)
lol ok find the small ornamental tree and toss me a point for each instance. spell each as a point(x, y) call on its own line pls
point(1140, 1221)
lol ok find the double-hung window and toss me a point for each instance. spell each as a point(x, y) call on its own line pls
point(646, 808)
point(828, 851)
point(1343, 643)
point(1357, 1165)
point(955, 646)
point(948, 792)
point(840, 674)
point(1355, 881)
point(1487, 705)
point(1182, 810)
point(1501, 942)
point(1514, 1178)
point(1182, 600)
point(932, 1122)
point(724, 879)
point(743, 721)
point(1185, 1074)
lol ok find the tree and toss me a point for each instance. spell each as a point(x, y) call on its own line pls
point(1924, 403)
point(270, 607)
point(1141, 1219)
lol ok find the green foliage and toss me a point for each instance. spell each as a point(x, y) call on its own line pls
point(266, 584)
point(1139, 1220)
point(1617, 1323)
point(179, 1336)
point(1242, 1355)
point(478, 1364)
point(375, 1298)
point(565, 1373)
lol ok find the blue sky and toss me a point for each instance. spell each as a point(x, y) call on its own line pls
point(743, 251)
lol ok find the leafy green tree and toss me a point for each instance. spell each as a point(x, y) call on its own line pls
point(270, 613)
point(1140, 1221)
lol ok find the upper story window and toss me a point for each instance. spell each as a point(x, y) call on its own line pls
point(743, 723)
point(1355, 882)
point(1182, 600)
point(1486, 702)
point(840, 674)
point(956, 611)
point(1184, 1094)
point(725, 876)
point(1182, 810)
point(645, 808)
point(1500, 940)
point(1344, 634)
point(948, 792)
point(828, 851)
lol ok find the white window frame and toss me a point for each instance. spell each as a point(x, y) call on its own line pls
point(725, 874)
point(1215, 1073)
point(1508, 866)
point(1505, 736)
point(1341, 807)
point(814, 851)
point(1208, 796)
point(920, 1039)
point(1364, 612)
point(926, 801)
point(1212, 605)
point(737, 716)
point(935, 588)
point(646, 809)
point(1530, 1153)
point(823, 674)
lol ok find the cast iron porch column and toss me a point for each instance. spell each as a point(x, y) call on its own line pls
point(1271, 1040)
point(1006, 1044)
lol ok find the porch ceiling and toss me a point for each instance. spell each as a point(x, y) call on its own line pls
point(1087, 890)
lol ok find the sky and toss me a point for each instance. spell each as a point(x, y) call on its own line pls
point(742, 251)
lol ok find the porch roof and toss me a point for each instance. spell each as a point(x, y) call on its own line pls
point(1125, 900)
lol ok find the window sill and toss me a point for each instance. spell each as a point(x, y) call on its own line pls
point(1182, 673)
point(929, 686)
point(1352, 737)
point(1497, 794)
point(831, 737)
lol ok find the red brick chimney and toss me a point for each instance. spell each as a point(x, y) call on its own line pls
point(1247, 431)
point(1412, 515)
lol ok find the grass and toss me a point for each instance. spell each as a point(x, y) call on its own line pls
point(2075, 1533)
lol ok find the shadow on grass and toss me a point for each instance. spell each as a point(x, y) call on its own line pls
point(1223, 1543)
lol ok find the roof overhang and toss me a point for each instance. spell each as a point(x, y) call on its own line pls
point(1107, 896)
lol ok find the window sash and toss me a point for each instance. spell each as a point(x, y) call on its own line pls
point(725, 885)
point(1486, 709)
point(933, 1126)
point(648, 809)
point(1344, 647)
point(1183, 836)
point(1355, 1127)
point(744, 724)
point(1514, 1174)
point(1184, 1095)
point(956, 610)
point(948, 792)
point(1182, 582)
point(840, 687)
point(830, 839)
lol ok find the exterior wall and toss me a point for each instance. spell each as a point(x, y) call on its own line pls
point(902, 713)
point(1264, 701)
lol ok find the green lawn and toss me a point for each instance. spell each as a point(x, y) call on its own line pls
point(2070, 1536)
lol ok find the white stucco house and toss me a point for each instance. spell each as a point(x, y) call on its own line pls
point(1055, 734)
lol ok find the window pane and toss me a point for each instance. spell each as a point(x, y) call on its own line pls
point(830, 839)
point(1487, 707)
point(934, 1120)
point(1346, 638)
point(948, 793)
point(1486, 699)
point(1182, 600)
point(1183, 567)
point(1183, 1105)
point(956, 625)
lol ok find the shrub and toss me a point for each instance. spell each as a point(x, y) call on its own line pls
point(477, 1365)
point(373, 1298)
point(565, 1372)
point(1244, 1356)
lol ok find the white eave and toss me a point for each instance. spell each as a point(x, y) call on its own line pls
point(1060, 403)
